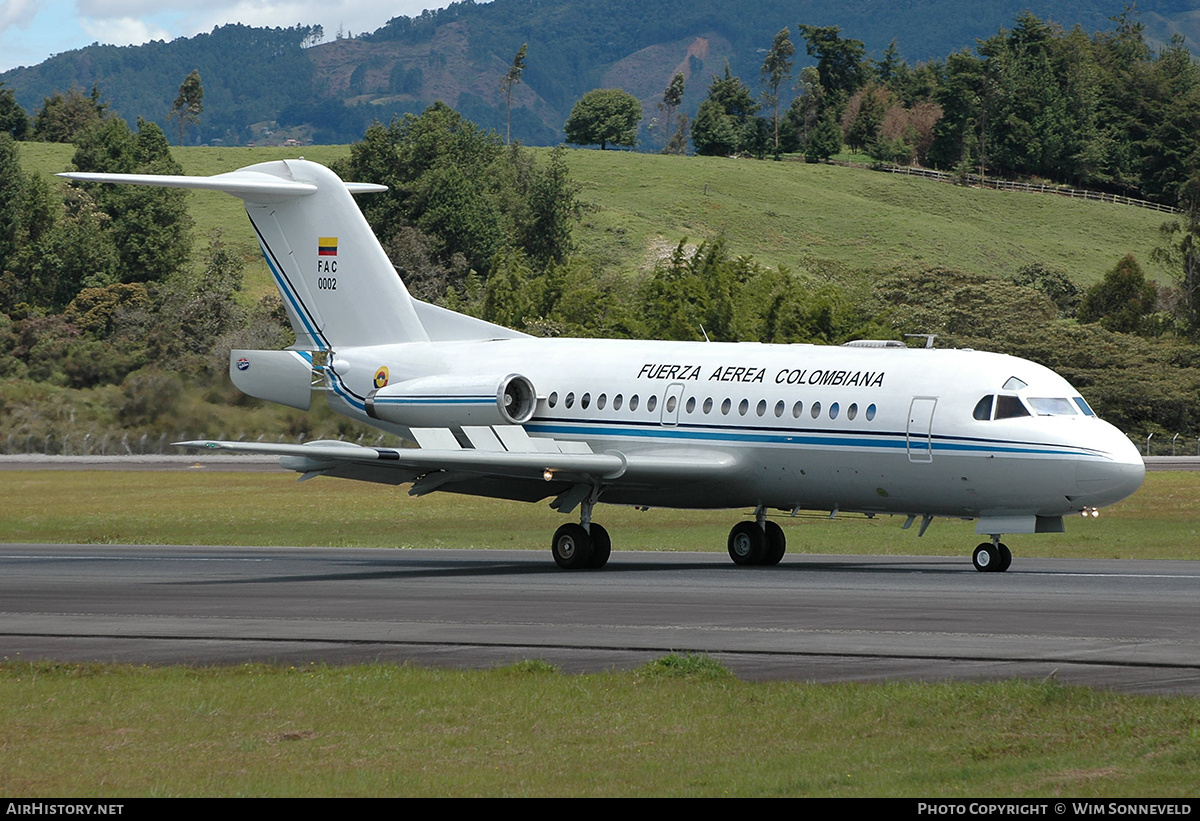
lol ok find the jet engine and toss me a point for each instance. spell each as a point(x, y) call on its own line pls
point(453, 400)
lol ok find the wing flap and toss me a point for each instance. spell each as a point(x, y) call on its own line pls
point(666, 468)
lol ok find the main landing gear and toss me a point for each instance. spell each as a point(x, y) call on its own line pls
point(992, 557)
point(583, 545)
point(757, 543)
point(576, 547)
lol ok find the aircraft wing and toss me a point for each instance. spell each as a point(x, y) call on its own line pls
point(498, 452)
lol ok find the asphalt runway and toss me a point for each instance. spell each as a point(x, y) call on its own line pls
point(1132, 626)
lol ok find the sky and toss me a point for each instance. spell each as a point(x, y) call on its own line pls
point(32, 30)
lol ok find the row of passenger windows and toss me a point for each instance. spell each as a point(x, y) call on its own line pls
point(743, 407)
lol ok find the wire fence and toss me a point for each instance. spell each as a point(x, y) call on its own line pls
point(1166, 444)
point(1010, 185)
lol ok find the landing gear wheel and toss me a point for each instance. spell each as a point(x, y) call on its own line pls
point(572, 547)
point(1005, 558)
point(776, 544)
point(747, 543)
point(601, 546)
point(986, 558)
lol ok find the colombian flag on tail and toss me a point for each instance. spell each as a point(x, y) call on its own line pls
point(327, 246)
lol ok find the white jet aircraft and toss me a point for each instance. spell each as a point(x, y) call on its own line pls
point(869, 427)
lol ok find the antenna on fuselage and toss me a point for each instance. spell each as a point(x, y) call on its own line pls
point(927, 337)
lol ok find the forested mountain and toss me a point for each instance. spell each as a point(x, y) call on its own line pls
point(287, 81)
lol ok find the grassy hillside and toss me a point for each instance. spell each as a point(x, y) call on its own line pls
point(788, 213)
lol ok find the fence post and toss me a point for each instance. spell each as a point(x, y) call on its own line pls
point(1148, 438)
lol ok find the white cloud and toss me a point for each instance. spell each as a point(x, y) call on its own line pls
point(123, 31)
point(17, 13)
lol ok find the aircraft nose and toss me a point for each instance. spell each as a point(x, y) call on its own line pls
point(1105, 481)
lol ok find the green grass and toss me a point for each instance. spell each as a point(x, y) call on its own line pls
point(107, 731)
point(1161, 521)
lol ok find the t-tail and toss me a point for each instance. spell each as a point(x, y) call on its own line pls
point(338, 286)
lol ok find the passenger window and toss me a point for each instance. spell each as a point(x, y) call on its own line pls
point(725, 406)
point(852, 411)
point(779, 409)
point(762, 407)
point(617, 402)
point(651, 403)
point(743, 406)
point(833, 411)
point(797, 409)
point(691, 404)
point(553, 399)
point(585, 400)
point(816, 410)
point(983, 408)
point(870, 412)
point(570, 400)
point(601, 401)
point(708, 405)
point(633, 402)
point(1009, 407)
point(670, 404)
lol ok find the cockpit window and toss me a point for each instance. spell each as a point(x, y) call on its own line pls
point(983, 410)
point(1051, 406)
point(1009, 407)
point(1014, 384)
point(1084, 406)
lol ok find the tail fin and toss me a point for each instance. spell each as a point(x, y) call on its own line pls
point(338, 286)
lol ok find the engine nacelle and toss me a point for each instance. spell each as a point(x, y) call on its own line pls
point(452, 401)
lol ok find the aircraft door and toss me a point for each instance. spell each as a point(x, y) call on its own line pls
point(919, 434)
point(672, 399)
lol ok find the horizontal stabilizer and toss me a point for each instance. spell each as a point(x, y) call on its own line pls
point(249, 185)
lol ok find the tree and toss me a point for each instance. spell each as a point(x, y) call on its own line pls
point(725, 123)
point(1121, 300)
point(825, 140)
point(13, 118)
point(603, 116)
point(62, 118)
point(510, 79)
point(840, 63)
point(149, 226)
point(776, 68)
point(672, 98)
point(1182, 251)
point(189, 104)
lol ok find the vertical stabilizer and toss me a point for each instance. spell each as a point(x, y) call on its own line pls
point(338, 285)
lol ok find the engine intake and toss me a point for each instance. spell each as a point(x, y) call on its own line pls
point(451, 401)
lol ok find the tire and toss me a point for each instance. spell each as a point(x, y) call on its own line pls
point(1005, 558)
point(986, 558)
point(572, 547)
point(601, 546)
point(776, 545)
point(747, 544)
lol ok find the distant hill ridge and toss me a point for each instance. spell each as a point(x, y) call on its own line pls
point(283, 81)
